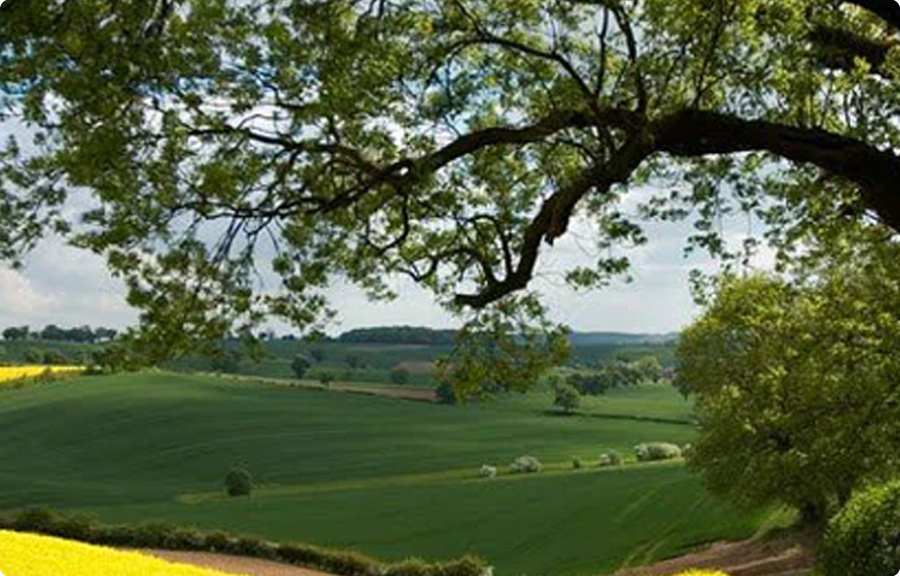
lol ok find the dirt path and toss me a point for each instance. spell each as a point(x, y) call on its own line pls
point(790, 555)
point(233, 564)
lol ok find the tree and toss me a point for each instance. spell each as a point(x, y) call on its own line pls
point(227, 361)
point(53, 333)
point(33, 356)
point(16, 333)
point(318, 354)
point(466, 134)
point(103, 334)
point(566, 396)
point(400, 375)
point(300, 364)
point(592, 383)
point(794, 385)
point(326, 378)
point(54, 357)
point(649, 368)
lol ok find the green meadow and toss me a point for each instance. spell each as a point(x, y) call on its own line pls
point(390, 478)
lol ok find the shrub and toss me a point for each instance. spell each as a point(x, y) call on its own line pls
point(576, 463)
point(863, 538)
point(487, 471)
point(400, 375)
point(611, 458)
point(238, 482)
point(566, 397)
point(54, 357)
point(326, 378)
point(525, 465)
point(299, 365)
point(656, 451)
point(445, 393)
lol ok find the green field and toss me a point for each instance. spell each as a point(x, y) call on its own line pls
point(390, 478)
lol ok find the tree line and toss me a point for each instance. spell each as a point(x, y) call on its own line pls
point(79, 334)
point(399, 335)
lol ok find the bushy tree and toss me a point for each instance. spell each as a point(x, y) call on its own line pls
point(16, 333)
point(795, 384)
point(299, 365)
point(227, 361)
point(54, 357)
point(238, 482)
point(326, 378)
point(566, 397)
point(114, 358)
point(400, 375)
point(445, 393)
point(33, 356)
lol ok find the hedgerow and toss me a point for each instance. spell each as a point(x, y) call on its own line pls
point(171, 537)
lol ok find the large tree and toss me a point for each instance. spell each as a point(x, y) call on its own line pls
point(446, 140)
point(795, 384)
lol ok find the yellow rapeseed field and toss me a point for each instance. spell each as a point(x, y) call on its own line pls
point(33, 555)
point(12, 373)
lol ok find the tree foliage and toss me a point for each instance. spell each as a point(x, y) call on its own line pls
point(194, 142)
point(299, 365)
point(566, 397)
point(795, 384)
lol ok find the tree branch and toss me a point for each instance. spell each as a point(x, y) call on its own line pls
point(697, 132)
point(839, 48)
point(887, 10)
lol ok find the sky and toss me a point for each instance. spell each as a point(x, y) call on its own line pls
point(71, 287)
point(68, 287)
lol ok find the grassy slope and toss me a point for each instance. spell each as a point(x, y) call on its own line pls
point(385, 476)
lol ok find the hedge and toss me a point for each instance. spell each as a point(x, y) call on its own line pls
point(171, 537)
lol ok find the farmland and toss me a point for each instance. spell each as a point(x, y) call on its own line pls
point(388, 477)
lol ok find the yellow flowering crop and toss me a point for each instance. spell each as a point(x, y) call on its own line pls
point(11, 373)
point(33, 555)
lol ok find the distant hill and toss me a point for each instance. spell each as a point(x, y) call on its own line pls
point(618, 338)
point(431, 336)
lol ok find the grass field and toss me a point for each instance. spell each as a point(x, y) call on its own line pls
point(388, 477)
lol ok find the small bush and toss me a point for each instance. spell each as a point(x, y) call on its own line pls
point(400, 375)
point(445, 393)
point(525, 465)
point(238, 482)
point(611, 458)
point(863, 538)
point(218, 541)
point(656, 451)
point(576, 463)
point(487, 471)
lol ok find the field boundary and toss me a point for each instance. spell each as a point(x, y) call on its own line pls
point(410, 393)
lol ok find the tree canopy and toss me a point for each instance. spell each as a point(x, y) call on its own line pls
point(196, 142)
point(795, 384)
